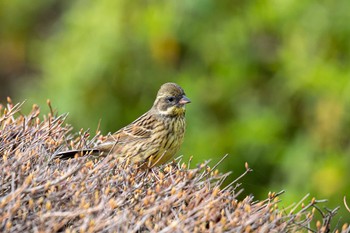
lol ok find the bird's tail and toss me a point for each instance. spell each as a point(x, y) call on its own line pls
point(70, 154)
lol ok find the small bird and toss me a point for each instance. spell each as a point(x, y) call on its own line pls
point(153, 138)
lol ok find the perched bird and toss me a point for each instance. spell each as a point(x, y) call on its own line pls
point(153, 138)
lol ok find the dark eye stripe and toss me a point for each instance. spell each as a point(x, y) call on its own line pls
point(170, 99)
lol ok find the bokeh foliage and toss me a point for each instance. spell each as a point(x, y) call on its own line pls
point(269, 80)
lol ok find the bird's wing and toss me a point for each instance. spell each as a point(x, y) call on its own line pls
point(132, 132)
point(139, 130)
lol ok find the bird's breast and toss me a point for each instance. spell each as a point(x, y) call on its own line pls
point(170, 139)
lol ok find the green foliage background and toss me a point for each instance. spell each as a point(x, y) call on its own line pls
point(269, 80)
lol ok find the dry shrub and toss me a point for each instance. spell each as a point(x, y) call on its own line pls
point(42, 194)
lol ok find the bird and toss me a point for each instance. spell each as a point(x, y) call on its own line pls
point(153, 138)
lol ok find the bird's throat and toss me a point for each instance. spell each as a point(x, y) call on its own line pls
point(174, 111)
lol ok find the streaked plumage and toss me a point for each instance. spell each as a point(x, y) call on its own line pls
point(153, 138)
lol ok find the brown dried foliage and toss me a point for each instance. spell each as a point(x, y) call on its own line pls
point(38, 194)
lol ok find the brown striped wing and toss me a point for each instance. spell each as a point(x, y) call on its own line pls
point(138, 131)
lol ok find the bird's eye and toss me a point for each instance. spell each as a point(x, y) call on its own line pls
point(170, 99)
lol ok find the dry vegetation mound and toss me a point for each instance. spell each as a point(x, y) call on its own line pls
point(39, 194)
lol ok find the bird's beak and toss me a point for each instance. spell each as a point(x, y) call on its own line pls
point(184, 100)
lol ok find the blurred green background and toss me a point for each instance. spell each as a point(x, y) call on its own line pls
point(269, 80)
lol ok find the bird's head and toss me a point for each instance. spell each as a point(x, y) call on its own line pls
point(171, 100)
